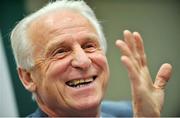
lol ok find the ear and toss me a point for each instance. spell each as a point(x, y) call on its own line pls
point(27, 80)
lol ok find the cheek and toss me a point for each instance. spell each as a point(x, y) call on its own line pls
point(52, 81)
point(101, 61)
point(57, 69)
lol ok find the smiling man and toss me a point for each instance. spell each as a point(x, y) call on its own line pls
point(60, 55)
point(71, 70)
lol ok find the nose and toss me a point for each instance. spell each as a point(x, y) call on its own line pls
point(80, 59)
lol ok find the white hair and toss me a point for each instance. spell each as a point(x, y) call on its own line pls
point(23, 47)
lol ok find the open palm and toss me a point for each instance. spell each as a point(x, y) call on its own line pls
point(148, 96)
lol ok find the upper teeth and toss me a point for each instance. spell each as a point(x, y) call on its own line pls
point(79, 81)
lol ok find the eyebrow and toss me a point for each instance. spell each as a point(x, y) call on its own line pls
point(52, 45)
point(61, 42)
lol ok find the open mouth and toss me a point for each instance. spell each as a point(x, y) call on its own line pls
point(80, 82)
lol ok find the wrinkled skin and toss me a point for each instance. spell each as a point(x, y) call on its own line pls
point(66, 47)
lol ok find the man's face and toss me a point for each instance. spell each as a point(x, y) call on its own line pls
point(71, 71)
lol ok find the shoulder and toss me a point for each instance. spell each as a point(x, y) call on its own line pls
point(37, 113)
point(117, 108)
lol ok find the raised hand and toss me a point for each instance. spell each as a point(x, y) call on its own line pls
point(147, 96)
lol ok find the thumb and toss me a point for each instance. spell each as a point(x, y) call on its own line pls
point(163, 76)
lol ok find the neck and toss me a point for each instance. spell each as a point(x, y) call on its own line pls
point(93, 112)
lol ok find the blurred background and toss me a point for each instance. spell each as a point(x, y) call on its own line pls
point(158, 21)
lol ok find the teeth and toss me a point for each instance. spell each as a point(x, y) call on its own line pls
point(89, 80)
point(79, 83)
point(76, 82)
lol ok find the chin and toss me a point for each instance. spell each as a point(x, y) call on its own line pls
point(89, 105)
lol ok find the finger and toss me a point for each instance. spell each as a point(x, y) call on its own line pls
point(140, 48)
point(129, 39)
point(123, 47)
point(127, 52)
point(132, 71)
point(139, 42)
point(163, 76)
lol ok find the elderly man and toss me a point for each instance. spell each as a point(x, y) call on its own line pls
point(60, 55)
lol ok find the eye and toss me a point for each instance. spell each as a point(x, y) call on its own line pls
point(61, 52)
point(90, 46)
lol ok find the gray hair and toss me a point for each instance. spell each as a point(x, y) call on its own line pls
point(23, 48)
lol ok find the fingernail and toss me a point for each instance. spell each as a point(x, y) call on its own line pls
point(118, 42)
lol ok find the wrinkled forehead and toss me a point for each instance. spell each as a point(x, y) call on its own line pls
point(56, 21)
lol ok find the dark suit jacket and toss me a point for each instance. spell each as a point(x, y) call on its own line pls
point(108, 109)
